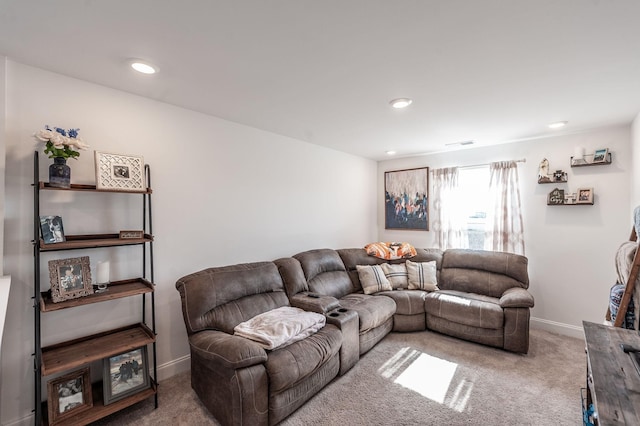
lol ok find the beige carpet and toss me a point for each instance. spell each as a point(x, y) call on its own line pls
point(420, 378)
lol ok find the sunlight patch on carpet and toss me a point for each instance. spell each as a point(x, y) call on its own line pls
point(430, 376)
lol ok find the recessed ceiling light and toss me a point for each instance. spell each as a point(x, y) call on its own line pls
point(558, 124)
point(401, 102)
point(143, 67)
point(391, 152)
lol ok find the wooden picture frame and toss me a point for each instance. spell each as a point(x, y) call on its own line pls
point(52, 230)
point(125, 374)
point(69, 395)
point(131, 235)
point(600, 156)
point(70, 278)
point(585, 196)
point(406, 199)
point(119, 172)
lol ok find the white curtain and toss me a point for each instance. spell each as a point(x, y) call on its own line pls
point(504, 230)
point(448, 216)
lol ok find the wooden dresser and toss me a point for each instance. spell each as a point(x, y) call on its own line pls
point(613, 383)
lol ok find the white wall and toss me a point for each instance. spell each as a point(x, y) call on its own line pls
point(570, 248)
point(223, 193)
point(635, 162)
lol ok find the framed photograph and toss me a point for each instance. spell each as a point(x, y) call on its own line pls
point(129, 235)
point(69, 395)
point(585, 196)
point(556, 197)
point(70, 278)
point(125, 374)
point(406, 199)
point(52, 229)
point(119, 172)
point(601, 155)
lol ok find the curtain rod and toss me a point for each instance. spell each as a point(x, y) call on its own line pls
point(522, 160)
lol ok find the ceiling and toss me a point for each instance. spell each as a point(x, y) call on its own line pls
point(492, 71)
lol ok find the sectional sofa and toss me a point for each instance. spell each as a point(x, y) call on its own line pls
point(480, 296)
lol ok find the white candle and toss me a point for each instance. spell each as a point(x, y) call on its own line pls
point(103, 272)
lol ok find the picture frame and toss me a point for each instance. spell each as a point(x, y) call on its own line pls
point(119, 172)
point(125, 374)
point(70, 278)
point(556, 197)
point(69, 395)
point(585, 196)
point(52, 229)
point(407, 199)
point(600, 155)
point(131, 235)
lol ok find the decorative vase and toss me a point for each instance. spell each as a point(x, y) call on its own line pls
point(60, 173)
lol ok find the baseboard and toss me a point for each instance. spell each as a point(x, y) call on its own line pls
point(557, 327)
point(25, 421)
point(173, 367)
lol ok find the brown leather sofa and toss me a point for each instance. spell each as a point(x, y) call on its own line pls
point(482, 297)
point(238, 381)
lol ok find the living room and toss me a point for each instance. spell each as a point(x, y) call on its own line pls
point(226, 192)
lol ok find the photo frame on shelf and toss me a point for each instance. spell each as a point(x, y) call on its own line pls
point(556, 197)
point(129, 235)
point(119, 172)
point(69, 395)
point(125, 374)
point(585, 196)
point(600, 155)
point(70, 278)
point(407, 199)
point(52, 229)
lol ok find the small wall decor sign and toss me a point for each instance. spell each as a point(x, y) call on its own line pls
point(131, 235)
point(406, 199)
point(556, 197)
point(119, 172)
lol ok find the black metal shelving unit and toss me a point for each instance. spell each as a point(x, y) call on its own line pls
point(88, 348)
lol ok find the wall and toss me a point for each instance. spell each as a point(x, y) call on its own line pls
point(223, 193)
point(635, 161)
point(570, 248)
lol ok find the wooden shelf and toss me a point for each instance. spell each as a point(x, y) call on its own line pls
point(115, 290)
point(90, 188)
point(75, 353)
point(93, 241)
point(591, 163)
point(99, 410)
point(571, 204)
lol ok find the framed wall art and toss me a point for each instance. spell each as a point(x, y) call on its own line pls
point(119, 172)
point(125, 374)
point(51, 229)
point(585, 196)
point(69, 395)
point(600, 155)
point(406, 199)
point(70, 278)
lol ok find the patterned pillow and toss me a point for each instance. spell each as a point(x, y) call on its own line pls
point(390, 251)
point(422, 275)
point(372, 279)
point(396, 274)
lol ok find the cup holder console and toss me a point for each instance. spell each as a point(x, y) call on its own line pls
point(334, 314)
point(342, 310)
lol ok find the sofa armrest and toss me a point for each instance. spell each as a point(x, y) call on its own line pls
point(516, 298)
point(321, 304)
point(231, 351)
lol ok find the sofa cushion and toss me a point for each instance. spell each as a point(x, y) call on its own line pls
point(372, 310)
point(325, 272)
point(373, 279)
point(422, 275)
point(465, 308)
point(408, 302)
point(396, 274)
point(289, 365)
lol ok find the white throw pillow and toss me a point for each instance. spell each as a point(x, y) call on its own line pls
point(422, 275)
point(372, 279)
point(396, 274)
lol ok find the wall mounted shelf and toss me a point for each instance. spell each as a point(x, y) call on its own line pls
point(587, 160)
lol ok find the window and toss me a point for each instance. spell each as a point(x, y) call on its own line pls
point(474, 190)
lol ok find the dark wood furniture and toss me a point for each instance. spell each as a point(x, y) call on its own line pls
point(72, 354)
point(613, 382)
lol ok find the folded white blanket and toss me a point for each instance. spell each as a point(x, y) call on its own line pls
point(280, 327)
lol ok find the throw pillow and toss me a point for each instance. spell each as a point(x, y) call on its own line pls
point(396, 274)
point(390, 251)
point(372, 279)
point(422, 275)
